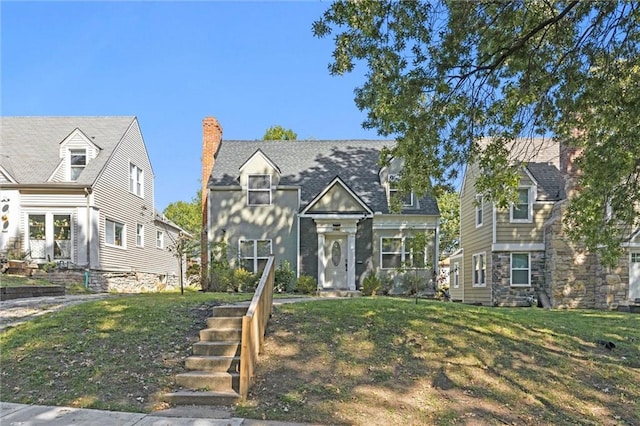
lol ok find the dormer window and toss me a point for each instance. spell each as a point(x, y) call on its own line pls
point(77, 163)
point(522, 210)
point(258, 190)
point(407, 199)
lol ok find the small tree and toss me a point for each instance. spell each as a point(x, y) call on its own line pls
point(181, 245)
point(415, 260)
point(279, 133)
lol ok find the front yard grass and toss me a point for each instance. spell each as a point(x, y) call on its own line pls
point(119, 353)
point(383, 361)
point(367, 361)
point(10, 280)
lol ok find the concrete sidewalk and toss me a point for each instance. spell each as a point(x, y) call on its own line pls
point(27, 415)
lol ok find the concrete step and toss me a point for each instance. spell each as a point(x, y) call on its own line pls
point(224, 322)
point(230, 348)
point(339, 293)
point(209, 381)
point(186, 397)
point(229, 311)
point(221, 334)
point(213, 363)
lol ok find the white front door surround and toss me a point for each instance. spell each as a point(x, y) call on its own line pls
point(634, 275)
point(337, 252)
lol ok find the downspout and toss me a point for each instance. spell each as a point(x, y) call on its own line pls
point(88, 191)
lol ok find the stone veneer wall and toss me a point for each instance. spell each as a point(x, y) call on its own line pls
point(576, 278)
point(502, 293)
point(108, 281)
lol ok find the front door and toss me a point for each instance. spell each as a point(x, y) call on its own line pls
point(335, 262)
point(634, 276)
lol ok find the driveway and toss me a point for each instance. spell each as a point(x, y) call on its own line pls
point(17, 311)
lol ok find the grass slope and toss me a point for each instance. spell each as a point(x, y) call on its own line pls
point(116, 354)
point(374, 361)
point(389, 361)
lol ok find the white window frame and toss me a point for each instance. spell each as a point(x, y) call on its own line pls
point(110, 227)
point(479, 210)
point(393, 179)
point(80, 152)
point(475, 270)
point(140, 235)
point(136, 180)
point(528, 269)
point(159, 239)
point(252, 190)
point(456, 275)
point(406, 255)
point(254, 258)
point(529, 217)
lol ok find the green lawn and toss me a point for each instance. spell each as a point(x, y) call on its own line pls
point(352, 361)
point(8, 280)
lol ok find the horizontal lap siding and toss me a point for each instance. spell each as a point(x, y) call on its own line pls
point(474, 240)
point(115, 202)
point(507, 232)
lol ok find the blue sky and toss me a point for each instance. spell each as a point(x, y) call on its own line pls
point(250, 64)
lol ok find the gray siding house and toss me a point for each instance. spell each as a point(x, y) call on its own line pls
point(79, 191)
point(323, 206)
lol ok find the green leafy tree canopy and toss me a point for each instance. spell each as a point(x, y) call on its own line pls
point(444, 75)
point(279, 133)
point(187, 215)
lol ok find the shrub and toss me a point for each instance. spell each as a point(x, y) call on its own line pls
point(412, 284)
point(371, 285)
point(244, 281)
point(283, 279)
point(220, 279)
point(306, 284)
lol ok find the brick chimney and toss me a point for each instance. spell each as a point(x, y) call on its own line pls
point(211, 139)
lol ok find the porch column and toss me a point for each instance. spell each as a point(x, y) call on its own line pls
point(320, 260)
point(351, 261)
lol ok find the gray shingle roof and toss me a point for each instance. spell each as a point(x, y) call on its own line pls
point(550, 181)
point(29, 146)
point(312, 165)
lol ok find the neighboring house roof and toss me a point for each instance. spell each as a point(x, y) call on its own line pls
point(549, 180)
point(313, 165)
point(30, 146)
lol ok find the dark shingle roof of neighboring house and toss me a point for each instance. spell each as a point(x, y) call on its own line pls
point(312, 165)
point(30, 146)
point(550, 181)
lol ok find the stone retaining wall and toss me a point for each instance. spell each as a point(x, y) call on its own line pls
point(22, 292)
point(109, 281)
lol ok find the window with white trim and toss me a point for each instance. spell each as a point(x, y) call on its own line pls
point(479, 265)
point(136, 180)
point(396, 252)
point(77, 163)
point(140, 235)
point(114, 233)
point(258, 190)
point(254, 254)
point(479, 209)
point(520, 269)
point(456, 275)
point(522, 210)
point(159, 239)
point(406, 199)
